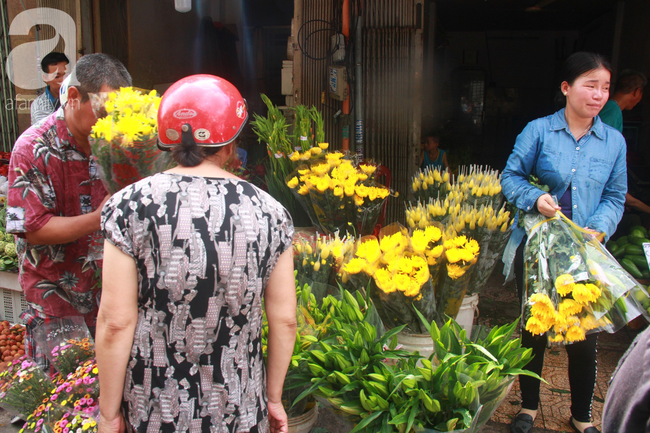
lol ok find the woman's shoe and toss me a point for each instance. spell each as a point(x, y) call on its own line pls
point(523, 423)
point(591, 429)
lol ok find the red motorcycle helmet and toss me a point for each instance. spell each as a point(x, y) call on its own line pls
point(202, 108)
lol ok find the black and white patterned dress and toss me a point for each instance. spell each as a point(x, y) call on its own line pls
point(204, 248)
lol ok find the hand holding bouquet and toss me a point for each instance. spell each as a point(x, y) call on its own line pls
point(124, 141)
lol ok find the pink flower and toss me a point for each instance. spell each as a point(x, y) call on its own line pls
point(54, 396)
point(68, 389)
point(40, 421)
point(67, 414)
point(66, 430)
point(77, 408)
point(90, 401)
point(63, 423)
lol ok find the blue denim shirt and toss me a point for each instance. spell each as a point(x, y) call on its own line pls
point(593, 166)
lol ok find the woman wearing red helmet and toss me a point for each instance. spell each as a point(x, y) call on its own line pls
point(189, 255)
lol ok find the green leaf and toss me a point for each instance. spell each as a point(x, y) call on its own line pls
point(484, 351)
point(366, 421)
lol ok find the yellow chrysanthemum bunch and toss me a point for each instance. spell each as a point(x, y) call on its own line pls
point(308, 154)
point(431, 183)
point(479, 181)
point(320, 259)
point(470, 217)
point(421, 215)
point(132, 116)
point(572, 319)
point(461, 253)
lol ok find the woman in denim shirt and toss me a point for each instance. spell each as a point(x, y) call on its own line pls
point(582, 161)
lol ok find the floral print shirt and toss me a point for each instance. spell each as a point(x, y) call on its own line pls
point(50, 176)
point(204, 249)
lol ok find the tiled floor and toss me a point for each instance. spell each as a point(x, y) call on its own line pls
point(498, 305)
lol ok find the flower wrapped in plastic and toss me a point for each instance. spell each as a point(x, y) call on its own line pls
point(430, 183)
point(461, 254)
point(422, 214)
point(23, 387)
point(317, 262)
point(481, 185)
point(397, 270)
point(339, 194)
point(573, 286)
point(67, 343)
point(124, 139)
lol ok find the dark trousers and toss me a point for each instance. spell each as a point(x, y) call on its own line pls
point(582, 361)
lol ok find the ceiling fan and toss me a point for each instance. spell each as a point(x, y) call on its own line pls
point(539, 7)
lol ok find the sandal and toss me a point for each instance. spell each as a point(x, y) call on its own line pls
point(591, 429)
point(523, 423)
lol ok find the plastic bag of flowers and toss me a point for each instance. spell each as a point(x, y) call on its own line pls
point(397, 269)
point(573, 286)
point(461, 255)
point(124, 141)
point(24, 386)
point(67, 343)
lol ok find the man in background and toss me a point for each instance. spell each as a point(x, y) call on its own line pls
point(54, 72)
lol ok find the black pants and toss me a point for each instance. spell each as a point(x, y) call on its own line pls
point(582, 361)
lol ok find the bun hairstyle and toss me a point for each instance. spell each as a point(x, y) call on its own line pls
point(189, 154)
point(582, 62)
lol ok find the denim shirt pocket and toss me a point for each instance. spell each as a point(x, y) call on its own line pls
point(599, 169)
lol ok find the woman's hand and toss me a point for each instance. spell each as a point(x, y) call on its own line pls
point(277, 418)
point(546, 205)
point(115, 425)
point(595, 233)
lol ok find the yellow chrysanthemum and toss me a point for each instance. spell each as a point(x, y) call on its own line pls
point(358, 201)
point(594, 290)
point(320, 169)
point(384, 280)
point(453, 255)
point(437, 251)
point(557, 338)
point(433, 233)
point(323, 146)
point(316, 151)
point(569, 307)
point(369, 250)
point(536, 326)
point(466, 255)
point(293, 183)
point(455, 271)
point(543, 312)
point(541, 298)
point(588, 323)
point(564, 284)
point(582, 294)
point(367, 169)
point(295, 156)
point(575, 333)
point(472, 246)
point(334, 156)
point(303, 190)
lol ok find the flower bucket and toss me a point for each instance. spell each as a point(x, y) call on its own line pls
point(421, 343)
point(467, 312)
point(304, 422)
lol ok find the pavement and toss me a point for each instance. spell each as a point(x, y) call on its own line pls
point(498, 305)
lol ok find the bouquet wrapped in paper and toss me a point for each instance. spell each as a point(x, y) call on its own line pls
point(573, 285)
point(461, 255)
point(124, 139)
point(400, 270)
point(339, 194)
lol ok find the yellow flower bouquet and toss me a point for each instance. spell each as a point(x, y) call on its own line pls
point(397, 267)
point(573, 286)
point(124, 139)
point(461, 254)
point(339, 194)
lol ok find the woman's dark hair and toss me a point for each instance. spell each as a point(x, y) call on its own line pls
point(192, 155)
point(581, 62)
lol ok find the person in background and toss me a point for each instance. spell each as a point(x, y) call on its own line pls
point(582, 161)
point(432, 156)
point(193, 257)
point(54, 72)
point(629, 91)
point(55, 200)
point(627, 405)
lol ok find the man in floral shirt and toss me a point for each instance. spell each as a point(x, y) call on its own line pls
point(55, 201)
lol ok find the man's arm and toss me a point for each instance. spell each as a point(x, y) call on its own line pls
point(61, 230)
point(635, 203)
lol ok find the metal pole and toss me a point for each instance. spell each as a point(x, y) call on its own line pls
point(358, 88)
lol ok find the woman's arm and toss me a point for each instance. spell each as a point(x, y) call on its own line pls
point(612, 200)
point(280, 307)
point(116, 321)
point(636, 204)
point(514, 180)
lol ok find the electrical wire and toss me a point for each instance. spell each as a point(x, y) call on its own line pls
point(301, 46)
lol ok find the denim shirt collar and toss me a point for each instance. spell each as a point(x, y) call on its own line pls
point(558, 122)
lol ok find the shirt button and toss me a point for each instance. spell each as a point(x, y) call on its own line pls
point(574, 188)
point(578, 148)
point(575, 206)
point(573, 170)
point(528, 208)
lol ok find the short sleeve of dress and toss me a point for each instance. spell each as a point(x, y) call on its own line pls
point(115, 222)
point(286, 230)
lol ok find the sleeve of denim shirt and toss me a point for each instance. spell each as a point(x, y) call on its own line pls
point(612, 201)
point(514, 180)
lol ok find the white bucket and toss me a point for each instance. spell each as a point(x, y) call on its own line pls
point(304, 422)
point(416, 342)
point(467, 312)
